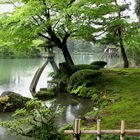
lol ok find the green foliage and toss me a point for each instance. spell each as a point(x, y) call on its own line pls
point(101, 64)
point(77, 90)
point(82, 78)
point(137, 8)
point(54, 20)
point(65, 72)
point(83, 91)
point(3, 99)
point(132, 39)
point(34, 120)
point(85, 66)
point(65, 69)
point(87, 92)
point(66, 127)
point(6, 52)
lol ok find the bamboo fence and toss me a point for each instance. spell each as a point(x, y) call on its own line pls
point(76, 132)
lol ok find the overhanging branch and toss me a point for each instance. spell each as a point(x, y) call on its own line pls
point(46, 37)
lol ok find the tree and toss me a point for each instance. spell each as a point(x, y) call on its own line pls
point(119, 33)
point(133, 43)
point(117, 29)
point(54, 20)
point(137, 8)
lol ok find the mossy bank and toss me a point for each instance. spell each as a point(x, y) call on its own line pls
point(124, 85)
point(115, 93)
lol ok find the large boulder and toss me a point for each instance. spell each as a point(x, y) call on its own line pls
point(10, 101)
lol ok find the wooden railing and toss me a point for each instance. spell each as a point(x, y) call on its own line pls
point(76, 132)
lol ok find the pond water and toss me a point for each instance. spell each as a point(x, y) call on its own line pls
point(16, 75)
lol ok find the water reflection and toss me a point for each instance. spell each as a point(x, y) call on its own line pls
point(4, 135)
point(75, 107)
point(16, 75)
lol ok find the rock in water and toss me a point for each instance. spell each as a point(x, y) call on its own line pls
point(45, 94)
point(10, 101)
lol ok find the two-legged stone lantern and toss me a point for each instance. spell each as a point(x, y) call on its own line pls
point(49, 55)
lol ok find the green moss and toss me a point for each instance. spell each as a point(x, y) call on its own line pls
point(122, 86)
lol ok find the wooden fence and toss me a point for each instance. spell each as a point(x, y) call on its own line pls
point(77, 131)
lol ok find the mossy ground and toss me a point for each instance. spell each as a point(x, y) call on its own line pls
point(125, 85)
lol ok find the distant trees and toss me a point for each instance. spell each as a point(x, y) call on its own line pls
point(8, 51)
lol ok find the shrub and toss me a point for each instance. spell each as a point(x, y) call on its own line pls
point(87, 92)
point(34, 120)
point(83, 91)
point(82, 77)
point(65, 68)
point(85, 66)
point(101, 64)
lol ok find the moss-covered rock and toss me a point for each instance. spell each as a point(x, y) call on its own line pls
point(10, 101)
point(45, 94)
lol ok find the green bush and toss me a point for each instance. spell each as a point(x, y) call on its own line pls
point(65, 68)
point(38, 119)
point(82, 77)
point(87, 92)
point(83, 91)
point(101, 64)
point(85, 66)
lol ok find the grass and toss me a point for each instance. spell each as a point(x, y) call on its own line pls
point(125, 84)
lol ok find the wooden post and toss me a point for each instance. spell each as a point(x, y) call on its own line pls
point(77, 129)
point(98, 129)
point(122, 130)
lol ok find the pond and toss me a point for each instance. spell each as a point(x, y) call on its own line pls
point(16, 75)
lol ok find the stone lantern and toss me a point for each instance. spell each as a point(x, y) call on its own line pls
point(49, 55)
point(49, 51)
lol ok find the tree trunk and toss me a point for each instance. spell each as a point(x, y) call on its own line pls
point(67, 55)
point(120, 35)
point(123, 53)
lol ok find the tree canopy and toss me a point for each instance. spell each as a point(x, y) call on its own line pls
point(54, 20)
